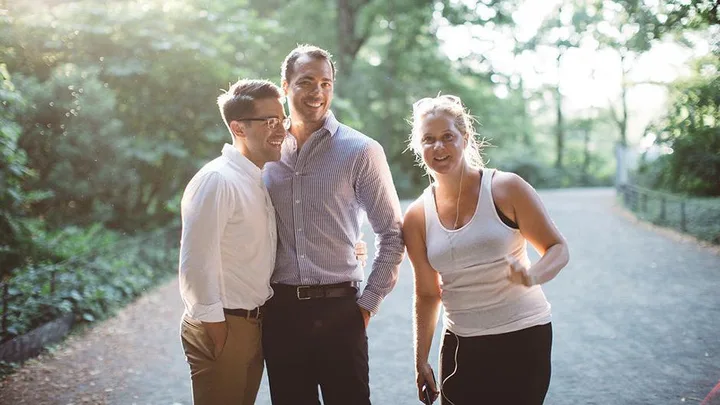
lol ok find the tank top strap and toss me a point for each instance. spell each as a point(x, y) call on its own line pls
point(487, 175)
point(486, 206)
point(429, 207)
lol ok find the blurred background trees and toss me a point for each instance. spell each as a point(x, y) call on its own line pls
point(108, 108)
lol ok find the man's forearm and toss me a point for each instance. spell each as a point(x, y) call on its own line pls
point(382, 279)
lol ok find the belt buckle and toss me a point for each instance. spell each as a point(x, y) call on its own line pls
point(297, 292)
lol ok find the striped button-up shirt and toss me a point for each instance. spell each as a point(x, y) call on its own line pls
point(319, 196)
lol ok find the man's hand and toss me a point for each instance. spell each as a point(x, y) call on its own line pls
point(366, 316)
point(218, 334)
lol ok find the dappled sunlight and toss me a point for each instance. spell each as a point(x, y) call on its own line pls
point(108, 109)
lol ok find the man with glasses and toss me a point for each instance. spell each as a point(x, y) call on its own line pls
point(227, 249)
point(314, 327)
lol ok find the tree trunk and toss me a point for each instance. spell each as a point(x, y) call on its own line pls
point(586, 154)
point(349, 41)
point(623, 121)
point(560, 127)
point(526, 122)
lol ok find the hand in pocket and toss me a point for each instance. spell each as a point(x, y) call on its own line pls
point(218, 332)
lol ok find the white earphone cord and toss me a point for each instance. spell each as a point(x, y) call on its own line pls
point(457, 349)
point(457, 204)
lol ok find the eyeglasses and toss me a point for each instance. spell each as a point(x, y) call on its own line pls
point(271, 122)
point(444, 97)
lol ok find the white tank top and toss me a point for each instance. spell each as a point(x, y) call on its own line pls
point(477, 296)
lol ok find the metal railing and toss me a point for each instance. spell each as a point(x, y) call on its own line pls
point(699, 217)
point(636, 198)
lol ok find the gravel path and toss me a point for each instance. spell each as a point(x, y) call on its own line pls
point(636, 320)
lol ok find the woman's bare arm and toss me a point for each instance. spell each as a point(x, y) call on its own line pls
point(513, 193)
point(426, 305)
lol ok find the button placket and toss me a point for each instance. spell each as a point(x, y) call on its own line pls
point(298, 217)
point(298, 207)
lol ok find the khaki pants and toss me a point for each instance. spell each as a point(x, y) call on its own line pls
point(233, 378)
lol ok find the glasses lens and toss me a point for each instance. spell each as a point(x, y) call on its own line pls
point(272, 122)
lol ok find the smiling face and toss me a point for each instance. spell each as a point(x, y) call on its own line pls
point(259, 142)
point(440, 142)
point(310, 90)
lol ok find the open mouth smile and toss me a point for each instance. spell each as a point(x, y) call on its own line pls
point(276, 142)
point(314, 104)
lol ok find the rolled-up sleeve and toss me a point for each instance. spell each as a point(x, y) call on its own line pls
point(206, 207)
point(377, 196)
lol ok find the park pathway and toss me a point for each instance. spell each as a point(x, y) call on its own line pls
point(636, 319)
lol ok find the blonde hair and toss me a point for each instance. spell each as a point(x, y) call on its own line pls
point(463, 120)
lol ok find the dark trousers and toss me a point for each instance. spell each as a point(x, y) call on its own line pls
point(317, 342)
point(509, 368)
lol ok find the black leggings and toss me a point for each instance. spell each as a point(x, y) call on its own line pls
point(510, 368)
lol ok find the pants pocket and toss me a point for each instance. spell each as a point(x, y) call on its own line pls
point(196, 342)
point(225, 344)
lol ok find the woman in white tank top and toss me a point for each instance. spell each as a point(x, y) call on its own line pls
point(466, 237)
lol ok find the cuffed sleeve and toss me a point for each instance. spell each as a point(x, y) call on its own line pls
point(377, 196)
point(206, 207)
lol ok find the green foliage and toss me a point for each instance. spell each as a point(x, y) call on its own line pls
point(656, 19)
point(96, 272)
point(146, 118)
point(691, 130)
point(111, 109)
point(121, 151)
point(16, 244)
point(70, 134)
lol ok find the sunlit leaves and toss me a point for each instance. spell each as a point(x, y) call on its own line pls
point(691, 130)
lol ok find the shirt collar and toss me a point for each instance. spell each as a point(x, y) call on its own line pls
point(331, 124)
point(232, 154)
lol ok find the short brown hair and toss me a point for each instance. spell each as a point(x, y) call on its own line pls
point(239, 100)
point(288, 65)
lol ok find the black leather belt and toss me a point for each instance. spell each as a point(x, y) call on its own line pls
point(244, 313)
point(309, 292)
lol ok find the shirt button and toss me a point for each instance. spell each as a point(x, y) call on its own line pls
point(302, 256)
point(299, 229)
point(297, 173)
point(297, 201)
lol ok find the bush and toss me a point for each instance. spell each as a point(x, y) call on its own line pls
point(16, 243)
point(526, 164)
point(691, 133)
point(99, 271)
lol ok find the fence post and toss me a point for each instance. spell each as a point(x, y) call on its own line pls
point(625, 191)
point(683, 219)
point(662, 208)
point(5, 294)
point(52, 280)
point(636, 200)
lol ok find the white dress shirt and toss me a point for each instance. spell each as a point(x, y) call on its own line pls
point(228, 242)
